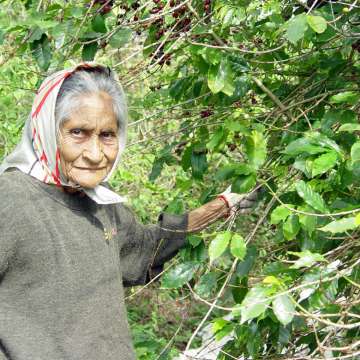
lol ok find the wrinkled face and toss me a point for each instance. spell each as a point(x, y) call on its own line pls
point(88, 141)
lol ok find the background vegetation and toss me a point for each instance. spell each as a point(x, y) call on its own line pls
point(224, 92)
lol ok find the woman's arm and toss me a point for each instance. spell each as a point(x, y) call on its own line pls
point(144, 249)
point(205, 215)
point(225, 204)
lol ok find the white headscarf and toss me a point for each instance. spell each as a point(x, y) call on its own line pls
point(37, 153)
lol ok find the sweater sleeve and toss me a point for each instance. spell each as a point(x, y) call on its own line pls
point(144, 249)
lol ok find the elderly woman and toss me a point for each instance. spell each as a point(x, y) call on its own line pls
point(68, 244)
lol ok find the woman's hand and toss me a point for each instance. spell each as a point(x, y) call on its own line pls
point(241, 203)
point(225, 204)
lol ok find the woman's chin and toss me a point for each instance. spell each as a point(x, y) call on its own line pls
point(88, 181)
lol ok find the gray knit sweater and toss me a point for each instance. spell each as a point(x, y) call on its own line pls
point(63, 262)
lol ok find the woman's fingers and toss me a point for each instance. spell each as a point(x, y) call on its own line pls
point(245, 203)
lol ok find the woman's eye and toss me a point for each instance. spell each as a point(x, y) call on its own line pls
point(76, 132)
point(108, 135)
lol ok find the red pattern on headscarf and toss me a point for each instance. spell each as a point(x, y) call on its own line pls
point(47, 94)
point(56, 176)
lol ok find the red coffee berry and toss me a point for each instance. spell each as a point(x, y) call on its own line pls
point(154, 10)
point(205, 113)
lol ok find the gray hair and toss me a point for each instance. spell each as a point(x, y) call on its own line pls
point(90, 81)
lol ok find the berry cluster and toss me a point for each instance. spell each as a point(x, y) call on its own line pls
point(178, 12)
point(105, 5)
point(207, 7)
point(356, 45)
point(159, 6)
point(182, 15)
point(160, 31)
point(164, 59)
point(135, 5)
point(206, 113)
point(232, 146)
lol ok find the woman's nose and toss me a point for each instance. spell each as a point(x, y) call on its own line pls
point(93, 151)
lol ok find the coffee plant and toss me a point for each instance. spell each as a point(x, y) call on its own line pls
point(261, 93)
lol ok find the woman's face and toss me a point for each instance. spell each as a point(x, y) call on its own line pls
point(88, 141)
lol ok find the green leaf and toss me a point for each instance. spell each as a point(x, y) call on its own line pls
point(211, 56)
point(179, 275)
point(225, 173)
point(218, 324)
point(239, 289)
point(156, 169)
point(307, 222)
point(313, 143)
point(255, 145)
point(306, 259)
point(311, 197)
point(245, 266)
point(238, 246)
point(291, 227)
point(303, 146)
point(217, 139)
point(255, 303)
point(340, 226)
point(230, 170)
point(280, 213)
point(284, 335)
point(2, 37)
point(296, 28)
point(120, 38)
point(243, 183)
point(236, 125)
point(194, 240)
point(179, 87)
point(216, 79)
point(324, 295)
point(349, 97)
point(220, 78)
point(206, 284)
point(244, 169)
point(77, 12)
point(355, 153)
point(349, 127)
point(186, 158)
point(198, 164)
point(283, 309)
point(324, 163)
point(219, 245)
point(98, 24)
point(317, 23)
point(357, 219)
point(221, 328)
point(272, 280)
point(89, 51)
point(36, 34)
point(41, 50)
